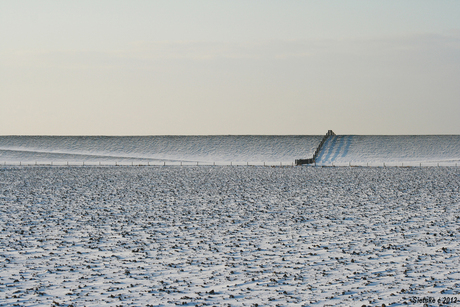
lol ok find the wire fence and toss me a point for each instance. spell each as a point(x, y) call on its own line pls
point(225, 163)
point(143, 163)
point(391, 164)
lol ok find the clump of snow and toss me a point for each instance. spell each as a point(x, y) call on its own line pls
point(234, 236)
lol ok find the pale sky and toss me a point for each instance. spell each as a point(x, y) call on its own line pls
point(139, 67)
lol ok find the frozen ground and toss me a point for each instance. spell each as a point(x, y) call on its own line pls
point(164, 236)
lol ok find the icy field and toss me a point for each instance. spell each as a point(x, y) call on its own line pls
point(238, 236)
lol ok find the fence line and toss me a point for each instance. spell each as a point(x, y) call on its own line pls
point(155, 163)
point(390, 164)
point(231, 163)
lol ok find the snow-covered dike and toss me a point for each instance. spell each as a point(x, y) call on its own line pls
point(224, 149)
point(144, 149)
point(297, 236)
point(396, 149)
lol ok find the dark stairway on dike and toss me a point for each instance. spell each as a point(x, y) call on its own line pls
point(318, 149)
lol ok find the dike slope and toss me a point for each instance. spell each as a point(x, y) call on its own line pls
point(411, 149)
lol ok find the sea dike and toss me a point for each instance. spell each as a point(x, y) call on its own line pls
point(174, 150)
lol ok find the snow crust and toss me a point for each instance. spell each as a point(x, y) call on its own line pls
point(202, 236)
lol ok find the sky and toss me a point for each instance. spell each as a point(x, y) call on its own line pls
point(273, 67)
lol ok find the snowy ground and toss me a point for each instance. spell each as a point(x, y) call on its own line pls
point(163, 236)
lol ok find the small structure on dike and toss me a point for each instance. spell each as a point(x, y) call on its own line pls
point(315, 155)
